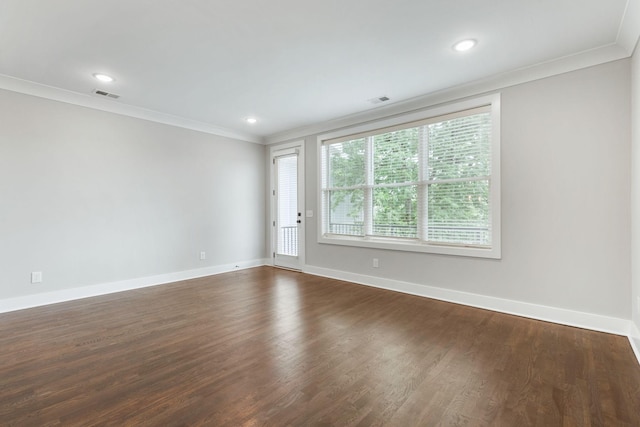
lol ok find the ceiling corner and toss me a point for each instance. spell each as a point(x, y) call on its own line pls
point(629, 31)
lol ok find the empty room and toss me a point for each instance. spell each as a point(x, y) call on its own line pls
point(338, 213)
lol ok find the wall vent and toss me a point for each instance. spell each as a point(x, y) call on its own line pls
point(105, 94)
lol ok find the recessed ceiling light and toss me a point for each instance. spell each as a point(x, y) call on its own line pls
point(251, 120)
point(103, 78)
point(464, 45)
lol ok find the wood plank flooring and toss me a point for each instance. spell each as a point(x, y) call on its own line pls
point(269, 347)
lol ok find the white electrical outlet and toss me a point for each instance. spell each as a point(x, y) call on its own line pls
point(36, 277)
point(638, 306)
point(203, 255)
point(376, 263)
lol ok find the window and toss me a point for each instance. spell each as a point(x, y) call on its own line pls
point(424, 182)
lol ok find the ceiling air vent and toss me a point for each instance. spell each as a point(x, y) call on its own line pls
point(379, 99)
point(105, 94)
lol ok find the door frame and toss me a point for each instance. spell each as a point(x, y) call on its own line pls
point(276, 151)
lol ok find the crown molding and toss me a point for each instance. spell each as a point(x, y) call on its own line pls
point(89, 101)
point(629, 30)
point(589, 58)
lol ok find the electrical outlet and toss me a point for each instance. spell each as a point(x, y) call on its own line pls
point(376, 263)
point(203, 255)
point(36, 277)
point(638, 306)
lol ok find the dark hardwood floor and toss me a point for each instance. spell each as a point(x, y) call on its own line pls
point(269, 347)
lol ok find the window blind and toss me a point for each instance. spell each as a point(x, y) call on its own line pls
point(427, 181)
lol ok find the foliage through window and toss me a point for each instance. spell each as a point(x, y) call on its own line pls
point(427, 182)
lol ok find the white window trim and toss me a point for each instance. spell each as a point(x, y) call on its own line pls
point(494, 251)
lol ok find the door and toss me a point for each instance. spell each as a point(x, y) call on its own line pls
point(287, 206)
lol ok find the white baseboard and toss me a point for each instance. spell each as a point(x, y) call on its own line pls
point(595, 322)
point(36, 300)
point(612, 325)
point(634, 339)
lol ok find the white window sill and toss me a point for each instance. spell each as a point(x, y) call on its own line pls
point(413, 246)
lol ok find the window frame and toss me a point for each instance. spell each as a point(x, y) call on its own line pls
point(429, 114)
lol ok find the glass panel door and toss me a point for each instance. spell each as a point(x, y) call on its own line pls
point(287, 186)
point(287, 220)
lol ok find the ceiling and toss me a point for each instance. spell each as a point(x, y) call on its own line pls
point(210, 64)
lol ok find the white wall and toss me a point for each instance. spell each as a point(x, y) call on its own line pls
point(635, 192)
point(89, 197)
point(565, 203)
